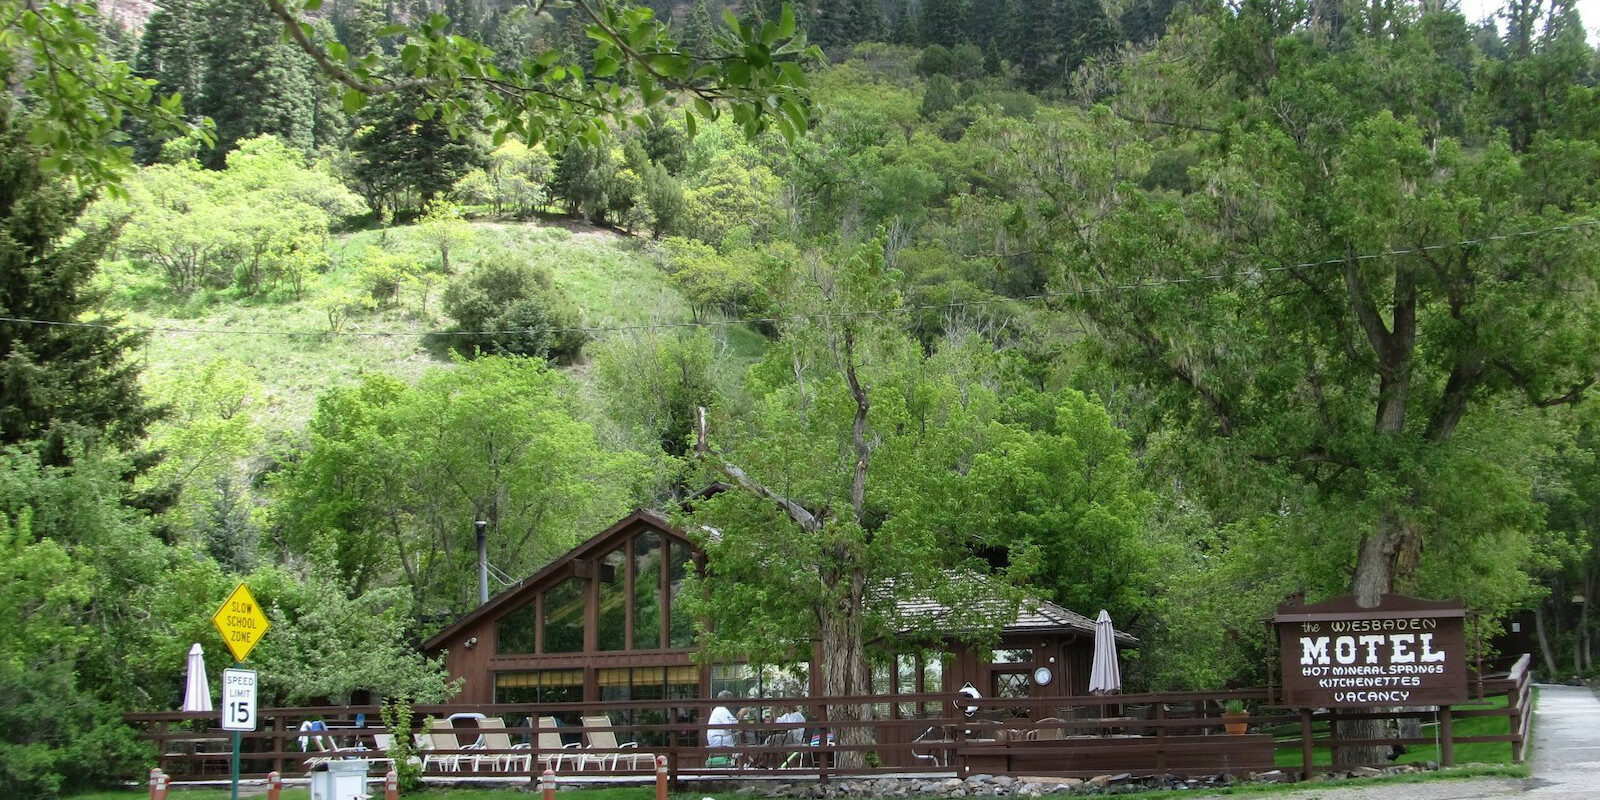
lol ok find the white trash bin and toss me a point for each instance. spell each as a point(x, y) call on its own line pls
point(340, 779)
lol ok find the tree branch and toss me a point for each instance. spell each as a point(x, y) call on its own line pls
point(703, 452)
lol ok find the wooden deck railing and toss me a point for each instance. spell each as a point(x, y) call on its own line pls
point(1169, 732)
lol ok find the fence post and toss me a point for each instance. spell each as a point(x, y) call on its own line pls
point(661, 778)
point(274, 786)
point(158, 784)
point(1447, 737)
point(547, 784)
point(1307, 754)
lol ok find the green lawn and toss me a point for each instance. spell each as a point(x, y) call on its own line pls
point(1288, 753)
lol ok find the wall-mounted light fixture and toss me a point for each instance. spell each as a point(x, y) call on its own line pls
point(472, 642)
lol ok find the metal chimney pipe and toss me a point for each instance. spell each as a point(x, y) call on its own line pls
point(483, 560)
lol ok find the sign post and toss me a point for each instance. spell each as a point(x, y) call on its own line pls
point(242, 625)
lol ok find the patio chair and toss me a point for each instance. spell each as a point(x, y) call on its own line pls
point(550, 742)
point(382, 742)
point(311, 742)
point(935, 757)
point(494, 737)
point(604, 744)
point(446, 750)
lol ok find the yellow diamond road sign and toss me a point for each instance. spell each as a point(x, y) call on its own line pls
point(241, 622)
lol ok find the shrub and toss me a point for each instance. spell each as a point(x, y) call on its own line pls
point(511, 306)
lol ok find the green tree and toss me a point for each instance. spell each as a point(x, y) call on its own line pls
point(393, 476)
point(939, 97)
point(854, 488)
point(943, 22)
point(653, 383)
point(405, 159)
point(711, 281)
point(205, 439)
point(663, 197)
point(446, 230)
point(509, 305)
point(70, 582)
point(253, 82)
point(170, 56)
point(1370, 311)
point(58, 381)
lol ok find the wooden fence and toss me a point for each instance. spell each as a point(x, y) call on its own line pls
point(1179, 733)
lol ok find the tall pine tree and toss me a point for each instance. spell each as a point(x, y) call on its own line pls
point(59, 383)
point(255, 83)
point(943, 22)
point(169, 54)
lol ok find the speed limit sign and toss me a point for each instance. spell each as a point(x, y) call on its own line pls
point(238, 699)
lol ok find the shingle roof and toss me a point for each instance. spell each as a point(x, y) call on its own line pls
point(1034, 616)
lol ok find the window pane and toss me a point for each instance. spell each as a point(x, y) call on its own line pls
point(563, 618)
point(740, 679)
point(1012, 684)
point(932, 680)
point(647, 591)
point(682, 627)
point(905, 667)
point(613, 602)
point(1022, 656)
point(515, 631)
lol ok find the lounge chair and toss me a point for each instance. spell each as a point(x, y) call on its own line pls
point(495, 744)
point(382, 742)
point(602, 744)
point(550, 743)
point(445, 748)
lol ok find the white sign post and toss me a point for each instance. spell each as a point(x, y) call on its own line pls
point(238, 699)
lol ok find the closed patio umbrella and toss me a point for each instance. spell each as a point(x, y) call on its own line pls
point(196, 689)
point(1105, 677)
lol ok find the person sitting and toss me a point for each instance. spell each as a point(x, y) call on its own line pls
point(794, 735)
point(723, 724)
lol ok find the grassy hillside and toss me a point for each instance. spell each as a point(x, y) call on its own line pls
point(613, 279)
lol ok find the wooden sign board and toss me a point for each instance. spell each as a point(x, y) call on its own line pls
point(1402, 652)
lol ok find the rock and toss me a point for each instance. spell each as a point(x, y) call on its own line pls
point(1431, 766)
point(952, 781)
point(982, 777)
point(1100, 781)
point(1004, 780)
point(1365, 772)
point(1121, 777)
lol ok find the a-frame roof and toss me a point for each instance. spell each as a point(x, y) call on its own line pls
point(597, 545)
point(1036, 615)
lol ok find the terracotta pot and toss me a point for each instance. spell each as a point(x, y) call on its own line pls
point(1235, 722)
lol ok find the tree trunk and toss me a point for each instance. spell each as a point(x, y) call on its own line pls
point(1373, 578)
point(1544, 641)
point(844, 662)
point(1585, 640)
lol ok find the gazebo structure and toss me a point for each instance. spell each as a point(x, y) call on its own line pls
point(602, 623)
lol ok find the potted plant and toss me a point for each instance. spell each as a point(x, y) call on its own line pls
point(1234, 716)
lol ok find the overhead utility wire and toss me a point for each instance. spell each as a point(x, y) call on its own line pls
point(822, 315)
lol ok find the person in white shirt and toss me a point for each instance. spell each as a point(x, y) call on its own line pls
point(794, 735)
point(723, 736)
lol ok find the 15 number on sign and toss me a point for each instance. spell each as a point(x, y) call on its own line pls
point(238, 700)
